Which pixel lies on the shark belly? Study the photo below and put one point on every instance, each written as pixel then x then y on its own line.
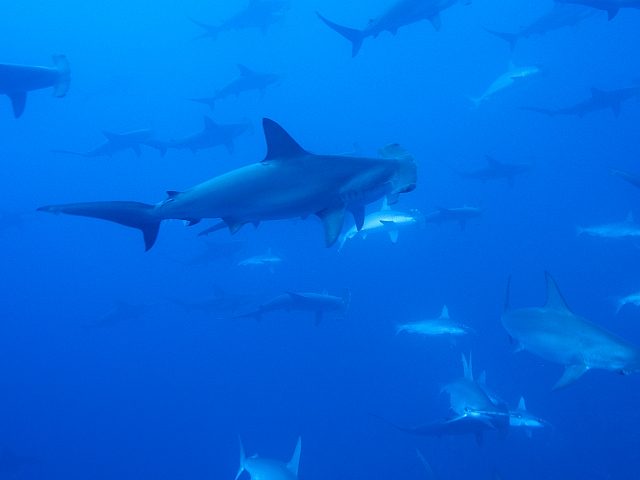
pixel 20 78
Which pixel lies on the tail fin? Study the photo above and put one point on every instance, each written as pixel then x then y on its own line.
pixel 212 31
pixel 618 302
pixel 295 459
pixel 61 86
pixel 512 38
pixel 353 35
pixel 243 457
pixel 130 214
pixel 476 101
pixel 211 101
pixel 157 144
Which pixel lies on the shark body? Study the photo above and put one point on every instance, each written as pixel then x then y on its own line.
pixel 213 135
pixel 118 142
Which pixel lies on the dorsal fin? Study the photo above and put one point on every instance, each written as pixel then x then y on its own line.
pixel 521 405
pixel 244 71
pixel 209 124
pixel 468 372
pixel 492 161
pixel 173 193
pixel 629 218
pixel 445 312
pixel 280 145
pixel 295 459
pixel 555 299
pixel 597 93
pixel 385 204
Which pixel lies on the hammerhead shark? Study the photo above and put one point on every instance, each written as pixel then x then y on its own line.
pixel 599 100
pixel 219 302
pixel 629 177
pixel 459 214
pixel 561 15
pixel 610 6
pixel 245 82
pixel 399 14
pixel 123 311
pixel 17 80
pixel 213 135
pixel 555 333
pixel 290 182
pixel 269 469
pixel 259 13
pixel 443 325
pixel 119 142
pixel 495 170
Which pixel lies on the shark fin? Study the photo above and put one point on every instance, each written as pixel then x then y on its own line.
pixel 521 405
pixel 244 71
pixel 468 372
pixel 394 150
pixel 528 432
pixel 209 124
pixel 555 300
pixel 229 146
pixel 482 379
pixel 332 220
pixel 243 457
pixel 353 35
pixel 512 38
pixel 435 21
pixel 445 312
pixel 136 148
pixel 612 12
pixel 511 66
pixel 233 224
pixel 597 93
pixel 426 466
pixel 496 475
pixel 319 315
pixel 110 136
pixel 393 235
pixel 493 162
pixel 61 86
pixel 358 216
pixel 295 459
pixel 172 194
pixel 280 145
pixel 385 205
pixel 571 374
pixel 18 101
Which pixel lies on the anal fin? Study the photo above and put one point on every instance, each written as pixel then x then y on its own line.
pixel 332 220
pixel 18 101
pixel 571 374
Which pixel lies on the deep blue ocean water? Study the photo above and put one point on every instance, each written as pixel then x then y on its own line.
pixel 166 396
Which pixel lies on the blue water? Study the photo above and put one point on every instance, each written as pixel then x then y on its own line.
pixel 166 396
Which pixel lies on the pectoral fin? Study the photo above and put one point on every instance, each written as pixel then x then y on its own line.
pixel 18 101
pixel 393 235
pixel 319 315
pixel 332 220
pixel 571 374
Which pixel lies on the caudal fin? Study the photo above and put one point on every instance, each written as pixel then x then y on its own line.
pixel 130 214
pixel 61 86
pixel 475 101
pixel 353 35
pixel 512 38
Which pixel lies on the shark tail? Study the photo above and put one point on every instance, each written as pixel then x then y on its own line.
pixel 61 86
pixel 212 31
pixel 475 101
pixel 243 457
pixel 158 145
pixel 512 38
pixel 130 214
pixel 208 101
pixel 353 35
pixel 618 302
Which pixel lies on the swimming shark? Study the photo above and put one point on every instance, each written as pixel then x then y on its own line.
pixel 399 14
pixel 305 302
pixel 443 325
pixel 123 311
pixel 17 80
pixel 119 142
pixel 610 6
pixel 386 220
pixel 213 135
pixel 219 302
pixel 629 177
pixel 258 14
pixel 514 76
pixel 290 182
pixel 245 82
pixel 459 214
pixel 560 15
pixel 599 100
pixel 628 228
pixel 554 333
pixel 268 260
pixel 268 469
pixel 521 418
pixel 495 170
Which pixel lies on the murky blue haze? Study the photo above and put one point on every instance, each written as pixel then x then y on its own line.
pixel 165 396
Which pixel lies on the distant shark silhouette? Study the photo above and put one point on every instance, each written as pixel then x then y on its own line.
pixel 119 142
pixel 610 6
pixel 629 177
pixel 512 77
pixel 17 80
pixel 459 214
pixel 123 311
pixel 495 170
pixel 219 302
pixel 443 325
pixel 213 135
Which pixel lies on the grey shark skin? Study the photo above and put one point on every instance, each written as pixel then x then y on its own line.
pixel 514 76
pixel 626 229
pixel 123 311
pixel 245 82
pixel 213 135
pixel 258 14
pixel 119 142
pixel 268 260
pixel 599 100
pixel 495 170
pixel 17 80
pixel 561 15
pixel 268 469
pixel 554 333
pixel 629 177
pixel 305 302
pixel 443 325
pixel 456 214
pixel 290 182
pixel 399 14
pixel 610 6
pixel 219 302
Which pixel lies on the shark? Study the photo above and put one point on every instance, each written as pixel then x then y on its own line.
pixel 306 302
pixel 521 418
pixel 213 135
pixel 443 325
pixel 561 15
pixel 269 469
pixel 495 170
pixel 626 229
pixel 219 302
pixel 599 100
pixel 459 214
pixel 386 220
pixel 629 177
pixel 123 311
pixel 257 14
pixel 267 260
pixel 17 80
pixel 288 183
pixel 610 6
pixel 119 142
pixel 398 14
pixel 512 77
pixel 633 299
pixel 245 82
pixel 555 333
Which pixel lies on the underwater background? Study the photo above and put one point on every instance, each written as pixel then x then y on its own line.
pixel 166 395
